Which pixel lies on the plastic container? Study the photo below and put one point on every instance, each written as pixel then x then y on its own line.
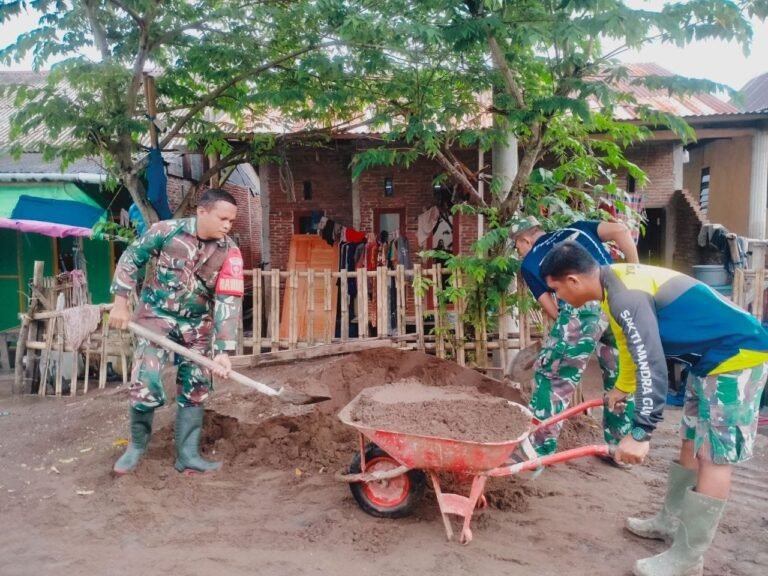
pixel 712 274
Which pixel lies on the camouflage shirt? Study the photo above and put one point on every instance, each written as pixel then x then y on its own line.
pixel 185 277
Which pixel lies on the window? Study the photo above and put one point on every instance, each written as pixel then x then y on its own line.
pixel 305 222
pixel 704 190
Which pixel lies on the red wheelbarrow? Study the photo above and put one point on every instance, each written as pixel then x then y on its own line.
pixel 388 476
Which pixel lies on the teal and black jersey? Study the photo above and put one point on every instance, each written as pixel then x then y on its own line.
pixel 656 314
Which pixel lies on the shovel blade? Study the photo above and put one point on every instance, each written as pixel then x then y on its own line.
pixel 299 398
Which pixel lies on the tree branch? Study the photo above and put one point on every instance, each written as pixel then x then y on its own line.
pixel 171 34
pixel 509 79
pixel 130 11
pixel 99 36
pixel 232 159
pixel 212 96
pixel 460 177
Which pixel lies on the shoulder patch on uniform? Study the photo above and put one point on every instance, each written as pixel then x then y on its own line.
pixel 230 281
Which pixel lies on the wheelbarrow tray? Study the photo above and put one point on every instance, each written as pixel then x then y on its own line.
pixel 417 451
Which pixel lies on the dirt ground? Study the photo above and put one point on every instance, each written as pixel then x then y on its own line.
pixel 275 508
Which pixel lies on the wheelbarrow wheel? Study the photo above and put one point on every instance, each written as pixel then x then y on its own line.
pixel 393 498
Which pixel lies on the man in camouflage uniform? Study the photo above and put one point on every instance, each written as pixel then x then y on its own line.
pixel 575 333
pixel 193 298
pixel 658 314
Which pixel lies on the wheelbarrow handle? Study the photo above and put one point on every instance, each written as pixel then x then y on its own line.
pixel 565 414
pixel 565 455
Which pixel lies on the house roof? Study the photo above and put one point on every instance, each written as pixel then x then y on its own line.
pixel 754 94
pixel 8 107
pixel 696 106
pixel 693 105
pixel 33 163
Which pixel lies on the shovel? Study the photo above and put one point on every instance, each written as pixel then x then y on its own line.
pixel 283 394
pixel 521 367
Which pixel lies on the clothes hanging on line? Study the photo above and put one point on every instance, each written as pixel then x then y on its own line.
pixel 426 225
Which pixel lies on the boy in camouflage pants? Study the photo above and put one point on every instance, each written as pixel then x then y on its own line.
pixel 193 298
pixel 576 333
pixel 657 314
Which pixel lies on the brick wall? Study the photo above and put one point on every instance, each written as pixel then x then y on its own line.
pixel 688 221
pixel 656 159
pixel 328 170
pixel 248 224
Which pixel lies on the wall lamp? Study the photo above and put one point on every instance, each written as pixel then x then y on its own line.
pixel 389 186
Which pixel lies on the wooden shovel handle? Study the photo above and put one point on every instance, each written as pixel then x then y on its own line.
pixel 197 358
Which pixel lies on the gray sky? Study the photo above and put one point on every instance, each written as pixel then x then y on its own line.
pixel 717 61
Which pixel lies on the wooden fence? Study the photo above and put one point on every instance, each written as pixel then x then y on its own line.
pixel 294 314
pixel 303 308
pixel 44 364
pixel 749 284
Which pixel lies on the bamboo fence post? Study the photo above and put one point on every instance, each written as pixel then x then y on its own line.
pixel 310 307
pixel 437 279
pixel 522 316
pixel 257 316
pixel 50 332
pixel 419 306
pixel 87 365
pixel 330 323
pixel 275 312
pixel 103 354
pixel 60 356
pixel 74 379
pixel 381 328
pixel 24 376
pixel 758 257
pixel 482 344
pixel 738 288
pixel 21 343
pixel 459 308
pixel 502 322
pixel 401 300
pixel 344 296
pixel 383 282
pixel 362 302
pixel 293 324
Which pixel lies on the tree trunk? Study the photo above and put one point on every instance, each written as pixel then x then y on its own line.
pixel 135 187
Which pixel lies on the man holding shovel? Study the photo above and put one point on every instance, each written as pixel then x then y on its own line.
pixel 657 314
pixel 576 332
pixel 193 298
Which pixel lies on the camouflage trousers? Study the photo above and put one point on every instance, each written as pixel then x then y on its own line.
pixel 567 348
pixel 721 410
pixel 192 382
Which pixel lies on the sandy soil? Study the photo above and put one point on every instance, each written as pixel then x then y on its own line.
pixel 275 508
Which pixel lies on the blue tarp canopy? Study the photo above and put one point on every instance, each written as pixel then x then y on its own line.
pixel 67 212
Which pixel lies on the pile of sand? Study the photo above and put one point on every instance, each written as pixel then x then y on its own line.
pixel 246 429
pixel 410 407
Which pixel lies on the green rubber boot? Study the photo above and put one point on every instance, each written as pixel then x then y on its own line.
pixel 698 523
pixel 141 430
pixel 663 525
pixel 189 425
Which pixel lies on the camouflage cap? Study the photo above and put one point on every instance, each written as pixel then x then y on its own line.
pixel 521 224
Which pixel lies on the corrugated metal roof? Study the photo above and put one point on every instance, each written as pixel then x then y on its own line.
pixel 702 104
pixel 8 108
pixel 755 94
pixel 692 106
pixel 33 163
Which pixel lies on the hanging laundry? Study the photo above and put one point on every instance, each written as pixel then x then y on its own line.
pixel 426 224
pixel 403 253
pixel 157 181
pixel 352 235
pixel 326 227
